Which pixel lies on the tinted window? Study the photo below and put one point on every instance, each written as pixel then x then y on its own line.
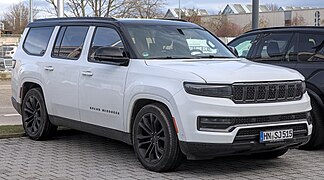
pixel 69 42
pixel 243 45
pixel 172 42
pixel 272 46
pixel 37 40
pixel 310 47
pixel 104 37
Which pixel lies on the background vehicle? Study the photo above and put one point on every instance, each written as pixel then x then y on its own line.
pixel 299 48
pixel 154 84
pixel 7 51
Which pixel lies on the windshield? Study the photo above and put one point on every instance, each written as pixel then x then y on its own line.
pixel 174 42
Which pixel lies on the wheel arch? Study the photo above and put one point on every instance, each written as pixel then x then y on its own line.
pixel 313 95
pixel 26 85
pixel 139 102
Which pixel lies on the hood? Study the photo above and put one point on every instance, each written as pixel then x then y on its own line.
pixel 229 71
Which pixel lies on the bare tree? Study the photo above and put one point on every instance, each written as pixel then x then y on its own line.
pixel 298 20
pixel 77 7
pixel 192 15
pixel 16 18
pixel 149 8
pixel 222 27
pixel 263 23
pixel 112 8
pixel 272 7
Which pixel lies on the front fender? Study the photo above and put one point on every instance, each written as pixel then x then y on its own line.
pixel 163 96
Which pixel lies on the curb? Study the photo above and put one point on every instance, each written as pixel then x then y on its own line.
pixel 5 75
pixel 14 135
pixel 60 132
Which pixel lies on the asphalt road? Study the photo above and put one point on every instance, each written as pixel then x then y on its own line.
pixel 8 115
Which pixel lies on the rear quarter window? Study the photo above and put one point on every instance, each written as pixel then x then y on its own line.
pixel 37 40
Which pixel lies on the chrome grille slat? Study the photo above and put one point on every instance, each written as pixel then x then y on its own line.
pixel 267 92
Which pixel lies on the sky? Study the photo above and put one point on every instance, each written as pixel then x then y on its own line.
pixel 213 6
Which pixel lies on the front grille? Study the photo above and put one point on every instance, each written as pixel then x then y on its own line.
pixel 253 134
pixel 267 92
pixel 216 123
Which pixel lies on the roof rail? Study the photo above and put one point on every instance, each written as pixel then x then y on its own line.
pixel 76 18
pixel 170 19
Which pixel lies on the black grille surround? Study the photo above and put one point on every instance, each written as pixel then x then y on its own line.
pixel 267 92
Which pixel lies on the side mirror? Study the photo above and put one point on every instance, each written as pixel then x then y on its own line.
pixel 111 55
pixel 233 49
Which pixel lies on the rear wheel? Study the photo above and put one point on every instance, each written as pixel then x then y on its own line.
pixel 317 137
pixel 34 116
pixel 270 154
pixel 155 139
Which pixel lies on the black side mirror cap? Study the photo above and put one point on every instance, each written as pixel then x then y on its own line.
pixel 233 49
pixel 111 55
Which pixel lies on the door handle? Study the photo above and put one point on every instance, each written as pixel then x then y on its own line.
pixel 87 73
pixel 49 68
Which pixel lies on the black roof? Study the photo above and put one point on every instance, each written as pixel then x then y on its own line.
pixel 290 28
pixel 102 20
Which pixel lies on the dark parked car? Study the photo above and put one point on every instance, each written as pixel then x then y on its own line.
pixel 299 48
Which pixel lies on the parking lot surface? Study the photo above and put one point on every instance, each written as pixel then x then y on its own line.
pixel 85 156
pixel 8 115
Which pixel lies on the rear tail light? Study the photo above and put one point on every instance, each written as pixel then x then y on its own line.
pixel 13 63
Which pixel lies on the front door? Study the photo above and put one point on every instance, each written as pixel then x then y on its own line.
pixel 101 86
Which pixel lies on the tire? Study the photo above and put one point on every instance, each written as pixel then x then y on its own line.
pixel 155 140
pixel 270 154
pixel 34 116
pixel 317 137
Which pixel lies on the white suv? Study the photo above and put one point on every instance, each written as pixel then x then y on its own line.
pixel 141 82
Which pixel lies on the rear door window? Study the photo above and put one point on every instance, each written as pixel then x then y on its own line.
pixel 272 47
pixel 37 40
pixel 69 42
pixel 311 47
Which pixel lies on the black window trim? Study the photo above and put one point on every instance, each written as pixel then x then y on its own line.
pixel 258 47
pixel 92 39
pixel 298 37
pixel 33 54
pixel 56 38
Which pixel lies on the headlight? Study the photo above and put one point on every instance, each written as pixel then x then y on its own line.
pixel 211 90
pixel 303 87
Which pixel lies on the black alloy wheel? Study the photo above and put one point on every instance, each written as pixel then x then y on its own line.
pixel 150 137
pixel 34 116
pixel 155 139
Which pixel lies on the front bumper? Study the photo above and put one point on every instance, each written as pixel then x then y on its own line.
pixel 16 105
pixel 195 150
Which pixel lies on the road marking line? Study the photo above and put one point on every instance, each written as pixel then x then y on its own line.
pixel 9 115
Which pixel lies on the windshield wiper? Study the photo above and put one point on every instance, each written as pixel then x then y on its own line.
pixel 213 56
pixel 173 57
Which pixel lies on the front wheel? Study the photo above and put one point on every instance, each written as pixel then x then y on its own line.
pixel 155 139
pixel 34 116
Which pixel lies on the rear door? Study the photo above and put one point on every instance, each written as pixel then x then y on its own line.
pixel 310 56
pixel 61 71
pixel 275 48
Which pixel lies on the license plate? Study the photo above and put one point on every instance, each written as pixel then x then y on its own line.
pixel 278 135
